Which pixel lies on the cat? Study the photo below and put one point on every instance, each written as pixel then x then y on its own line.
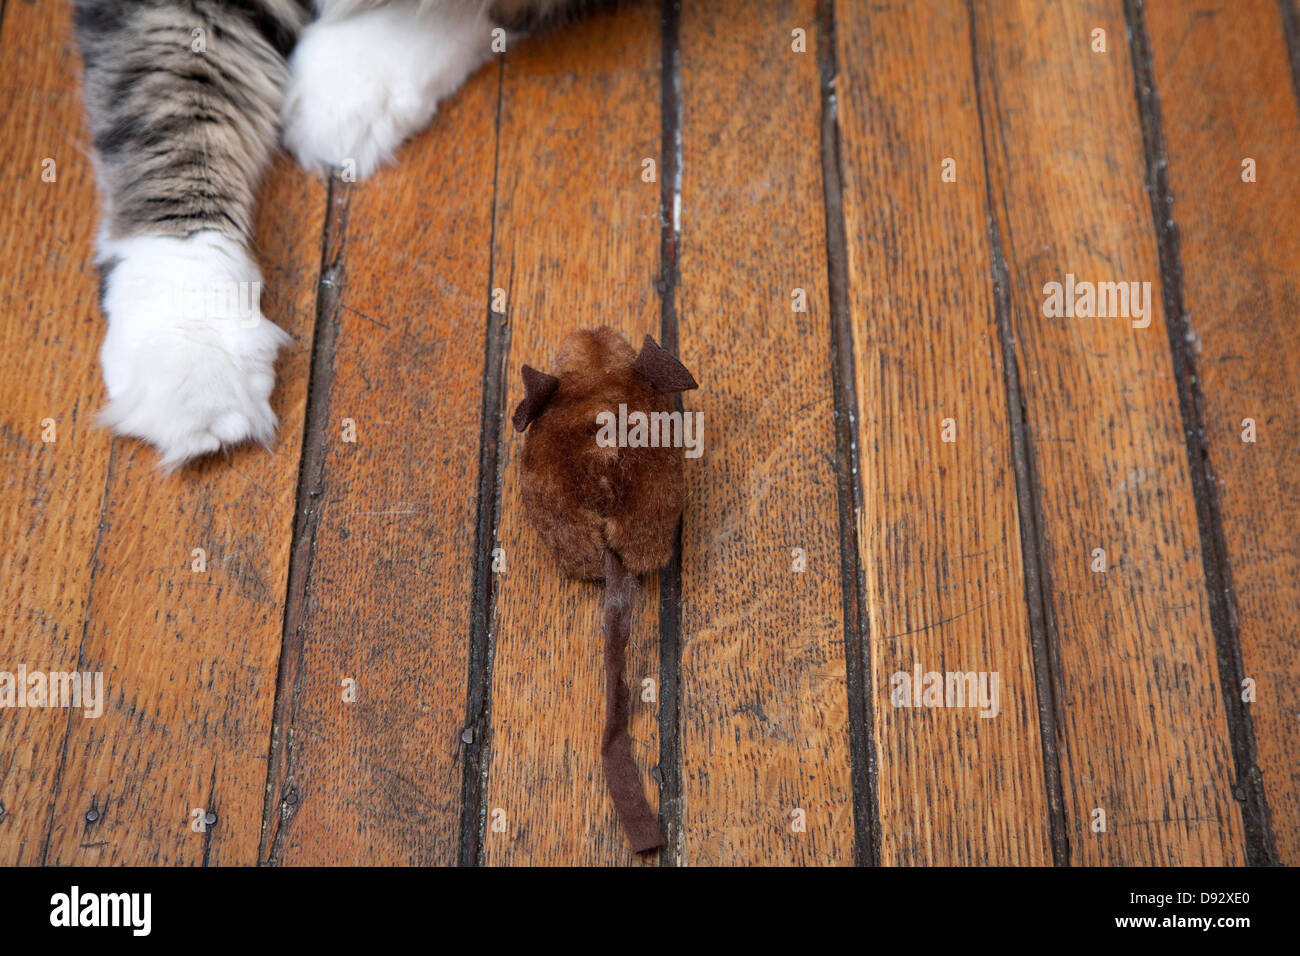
pixel 186 102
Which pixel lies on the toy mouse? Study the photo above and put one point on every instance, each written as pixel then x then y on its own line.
pixel 607 509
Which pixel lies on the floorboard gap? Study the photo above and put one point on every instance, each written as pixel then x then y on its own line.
pixel 81 647
pixel 1261 848
pixel 848 463
pixel 280 803
pixel 1037 586
pixel 476 735
pixel 670 578
pixel 1291 33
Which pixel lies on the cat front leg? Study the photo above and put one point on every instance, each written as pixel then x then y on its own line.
pixel 362 82
pixel 183 99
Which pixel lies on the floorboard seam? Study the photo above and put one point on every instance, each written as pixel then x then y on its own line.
pixel 209 808
pixel 81 647
pixel 848 462
pixel 1037 585
pixel 476 736
pixel 1248 789
pixel 670 578
pixel 280 800
pixel 1291 34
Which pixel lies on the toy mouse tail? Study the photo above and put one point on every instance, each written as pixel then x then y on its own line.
pixel 616 746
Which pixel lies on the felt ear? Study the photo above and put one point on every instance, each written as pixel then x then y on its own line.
pixel 661 370
pixel 538 389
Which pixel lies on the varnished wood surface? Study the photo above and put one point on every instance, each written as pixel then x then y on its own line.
pixel 369 772
pixel 1140 723
pixel 765 736
pixel 795 146
pixel 574 217
pixel 188 657
pixel 53 491
pixel 1240 259
pixel 945 585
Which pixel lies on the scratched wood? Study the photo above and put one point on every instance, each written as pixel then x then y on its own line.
pixel 188 659
pixel 940 536
pixel 764 708
pixel 52 491
pixel 96 549
pixel 1141 726
pixel 577 246
pixel 1241 257
pixel 377 779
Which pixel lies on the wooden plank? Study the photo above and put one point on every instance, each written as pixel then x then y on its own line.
pixel 764 708
pixel 376 780
pixel 1140 719
pixel 577 246
pixel 132 609
pixel 940 541
pixel 1241 257
pixel 189 658
pixel 53 491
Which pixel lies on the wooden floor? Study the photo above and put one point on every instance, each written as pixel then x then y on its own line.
pixel 916 173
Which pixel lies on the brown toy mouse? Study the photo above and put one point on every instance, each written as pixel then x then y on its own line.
pixel 606 510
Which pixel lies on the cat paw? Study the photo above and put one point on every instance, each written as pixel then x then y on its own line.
pixel 188 358
pixel 361 85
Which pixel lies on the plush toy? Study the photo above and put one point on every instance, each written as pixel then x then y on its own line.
pixel 606 508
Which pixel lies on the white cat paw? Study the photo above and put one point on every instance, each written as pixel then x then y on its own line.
pixel 361 85
pixel 189 358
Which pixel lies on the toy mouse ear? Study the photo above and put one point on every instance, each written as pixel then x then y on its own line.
pixel 538 389
pixel 661 370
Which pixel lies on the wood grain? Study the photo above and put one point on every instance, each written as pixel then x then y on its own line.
pixel 940 534
pixel 764 710
pixel 188 659
pixel 376 780
pixel 1241 259
pixel 1139 711
pixel 53 492
pixel 530 181
pixel 577 245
